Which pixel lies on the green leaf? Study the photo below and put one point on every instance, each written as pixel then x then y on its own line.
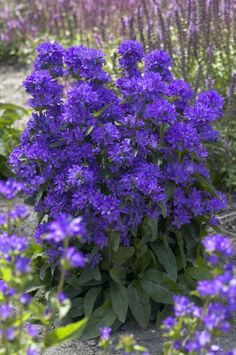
pixel 153 224
pixel 195 228
pixel 157 292
pixel 38 311
pixel 206 184
pixel 117 275
pixel 163 209
pixel 77 307
pixel 166 258
pixel 154 275
pixel 122 255
pixel 2 148
pixel 89 301
pixel 61 334
pixel 89 274
pixel 43 270
pixel 142 262
pixel 139 303
pixel 119 300
pixel 181 248
pixel 6 273
pixel 199 273
pixel 162 132
pixel 115 241
pixel 169 189
pixel 89 130
pixel 99 113
pixel 13 107
pixel 64 308
pixel 103 316
pixel 39 194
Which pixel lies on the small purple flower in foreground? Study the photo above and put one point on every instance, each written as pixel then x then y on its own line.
pixel 32 351
pixel 105 333
pixel 75 257
pixel 219 244
pixel 201 326
pixel 62 297
pixel 25 299
pixel 10 188
pixel 64 227
pixel 22 264
pixel 6 311
pixel 33 330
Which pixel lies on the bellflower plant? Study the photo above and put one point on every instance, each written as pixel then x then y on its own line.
pixel 21 315
pixel 195 327
pixel 128 155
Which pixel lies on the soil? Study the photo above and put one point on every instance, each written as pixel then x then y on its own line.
pixel 11 91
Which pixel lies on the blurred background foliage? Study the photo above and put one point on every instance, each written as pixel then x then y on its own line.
pixel 200 36
pixel 10 114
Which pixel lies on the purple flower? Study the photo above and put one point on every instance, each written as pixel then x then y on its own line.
pixel 32 350
pixel 105 333
pixel 131 53
pixel 182 305
pixel 32 330
pixel 50 56
pixel 22 264
pixel 159 62
pixel 12 244
pixel 25 299
pixel 219 244
pixel 10 188
pixel 169 322
pixel 62 297
pixel 19 212
pixel 75 257
pixel 43 89
pixel 64 227
pixel 6 311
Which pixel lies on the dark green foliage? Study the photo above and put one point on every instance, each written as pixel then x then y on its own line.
pixel 9 134
pixel 137 281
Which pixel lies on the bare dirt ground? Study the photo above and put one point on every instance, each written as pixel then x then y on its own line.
pixel 11 78
pixel 11 91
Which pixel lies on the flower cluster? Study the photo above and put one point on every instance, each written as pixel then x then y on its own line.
pixel 18 309
pixel 57 236
pixel 109 151
pixel 195 329
pixel 15 268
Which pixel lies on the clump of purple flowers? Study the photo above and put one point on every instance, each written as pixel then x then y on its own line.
pixel 15 269
pixel 18 309
pixel 128 155
pixel 108 150
pixel 195 329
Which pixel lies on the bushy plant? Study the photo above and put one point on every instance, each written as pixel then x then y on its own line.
pixel 22 316
pixel 128 155
pixel 9 134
